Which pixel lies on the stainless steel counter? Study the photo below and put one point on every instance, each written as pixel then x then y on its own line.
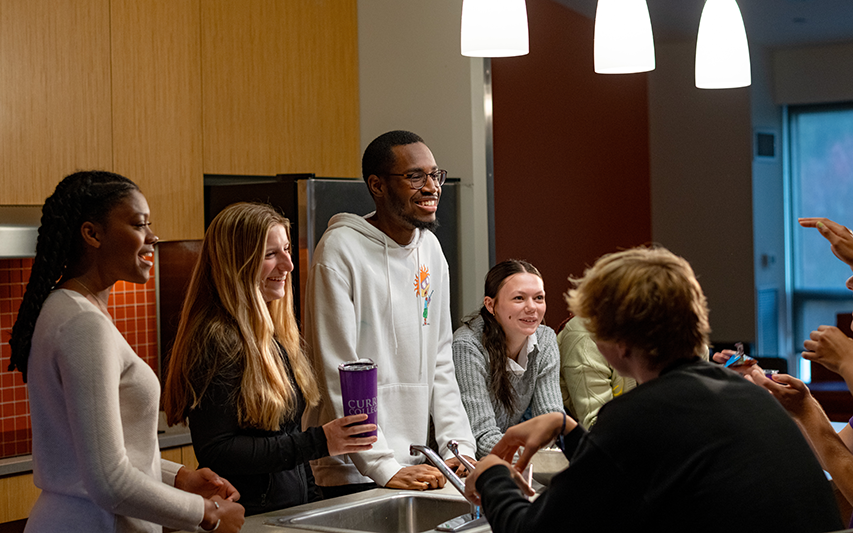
pixel 258 523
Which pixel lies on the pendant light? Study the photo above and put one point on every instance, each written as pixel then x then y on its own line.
pixel 623 37
pixel 494 28
pixel 722 51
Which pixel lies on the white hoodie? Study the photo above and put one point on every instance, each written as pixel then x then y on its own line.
pixel 369 297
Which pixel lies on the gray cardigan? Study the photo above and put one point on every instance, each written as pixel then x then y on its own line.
pixel 538 388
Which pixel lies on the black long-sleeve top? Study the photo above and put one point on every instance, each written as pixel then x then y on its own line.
pixel 269 468
pixel 697 449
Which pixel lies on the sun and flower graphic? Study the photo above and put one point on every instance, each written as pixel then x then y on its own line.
pixel 422 289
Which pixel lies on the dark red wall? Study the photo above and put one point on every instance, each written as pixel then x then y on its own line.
pixel 571 153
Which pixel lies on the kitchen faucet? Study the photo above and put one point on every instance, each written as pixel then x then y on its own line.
pixel 466 521
pixel 436 461
pixel 453 446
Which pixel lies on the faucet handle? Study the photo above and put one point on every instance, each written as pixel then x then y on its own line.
pixel 453 446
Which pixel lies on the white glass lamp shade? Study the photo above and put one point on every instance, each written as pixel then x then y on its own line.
pixel 722 51
pixel 494 28
pixel 623 37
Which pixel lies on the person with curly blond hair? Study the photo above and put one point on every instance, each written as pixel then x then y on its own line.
pixel 694 447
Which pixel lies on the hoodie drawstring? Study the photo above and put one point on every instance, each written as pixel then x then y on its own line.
pixel 390 296
pixel 420 329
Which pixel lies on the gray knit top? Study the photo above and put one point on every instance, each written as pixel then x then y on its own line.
pixel 538 387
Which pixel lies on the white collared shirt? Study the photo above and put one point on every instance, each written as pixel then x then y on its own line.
pixel 519 367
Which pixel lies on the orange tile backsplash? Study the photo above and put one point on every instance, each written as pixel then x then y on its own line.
pixel 134 311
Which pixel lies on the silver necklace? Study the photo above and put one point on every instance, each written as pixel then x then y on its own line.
pixel 101 305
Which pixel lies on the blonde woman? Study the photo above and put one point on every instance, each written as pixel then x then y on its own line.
pixel 238 371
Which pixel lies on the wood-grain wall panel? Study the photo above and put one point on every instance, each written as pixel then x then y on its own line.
pixel 280 87
pixel 156 95
pixel 54 94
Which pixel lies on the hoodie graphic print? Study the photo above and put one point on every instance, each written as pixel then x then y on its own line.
pixel 422 290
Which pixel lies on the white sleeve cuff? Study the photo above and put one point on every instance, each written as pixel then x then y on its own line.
pixel 169 471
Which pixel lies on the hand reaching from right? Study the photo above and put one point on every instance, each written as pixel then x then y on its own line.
pixel 792 393
pixel 840 238
pixel 487 462
pixel 341 439
pixel 830 347
pixel 532 435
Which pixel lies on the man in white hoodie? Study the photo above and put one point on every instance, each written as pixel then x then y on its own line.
pixel 379 288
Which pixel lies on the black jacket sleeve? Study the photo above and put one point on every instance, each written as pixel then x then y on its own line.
pixel 577 499
pixel 569 442
pixel 222 445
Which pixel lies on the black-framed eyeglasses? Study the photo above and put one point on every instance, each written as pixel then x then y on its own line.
pixel 418 178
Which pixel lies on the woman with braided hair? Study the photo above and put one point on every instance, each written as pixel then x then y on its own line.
pixel 506 360
pixel 94 402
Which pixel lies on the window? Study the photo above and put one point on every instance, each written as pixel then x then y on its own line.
pixel 821 184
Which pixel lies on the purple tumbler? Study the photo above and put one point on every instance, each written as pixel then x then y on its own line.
pixel 358 390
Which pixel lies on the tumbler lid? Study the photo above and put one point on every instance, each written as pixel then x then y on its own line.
pixel 358 365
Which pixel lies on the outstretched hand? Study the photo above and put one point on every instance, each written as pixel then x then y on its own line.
pixel 839 237
pixel 792 393
pixel 485 463
pixel 830 347
pixel 742 369
pixel 340 435
pixel 533 434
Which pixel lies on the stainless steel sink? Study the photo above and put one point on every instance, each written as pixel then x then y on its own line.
pixel 391 513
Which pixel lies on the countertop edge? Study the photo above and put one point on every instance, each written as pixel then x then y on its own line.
pixel 260 523
pixel 172 437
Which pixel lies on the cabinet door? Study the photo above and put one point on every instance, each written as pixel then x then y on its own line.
pixel 156 95
pixel 18 494
pixel 54 95
pixel 280 87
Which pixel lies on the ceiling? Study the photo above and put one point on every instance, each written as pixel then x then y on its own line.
pixel 773 23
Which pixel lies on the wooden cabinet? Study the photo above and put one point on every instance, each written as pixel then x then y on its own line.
pixel 280 84
pixel 184 455
pixel 17 496
pixel 164 91
pixel 54 94
pixel 18 493
pixel 156 109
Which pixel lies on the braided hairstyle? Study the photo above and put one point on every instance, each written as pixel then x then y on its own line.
pixel 494 338
pixel 86 196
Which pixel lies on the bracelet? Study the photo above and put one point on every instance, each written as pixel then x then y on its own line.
pixel 560 443
pixel 215 527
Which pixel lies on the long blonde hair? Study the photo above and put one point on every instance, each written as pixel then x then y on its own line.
pixel 227 326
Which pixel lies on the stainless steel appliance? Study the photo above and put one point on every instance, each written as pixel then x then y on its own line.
pixel 309 202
